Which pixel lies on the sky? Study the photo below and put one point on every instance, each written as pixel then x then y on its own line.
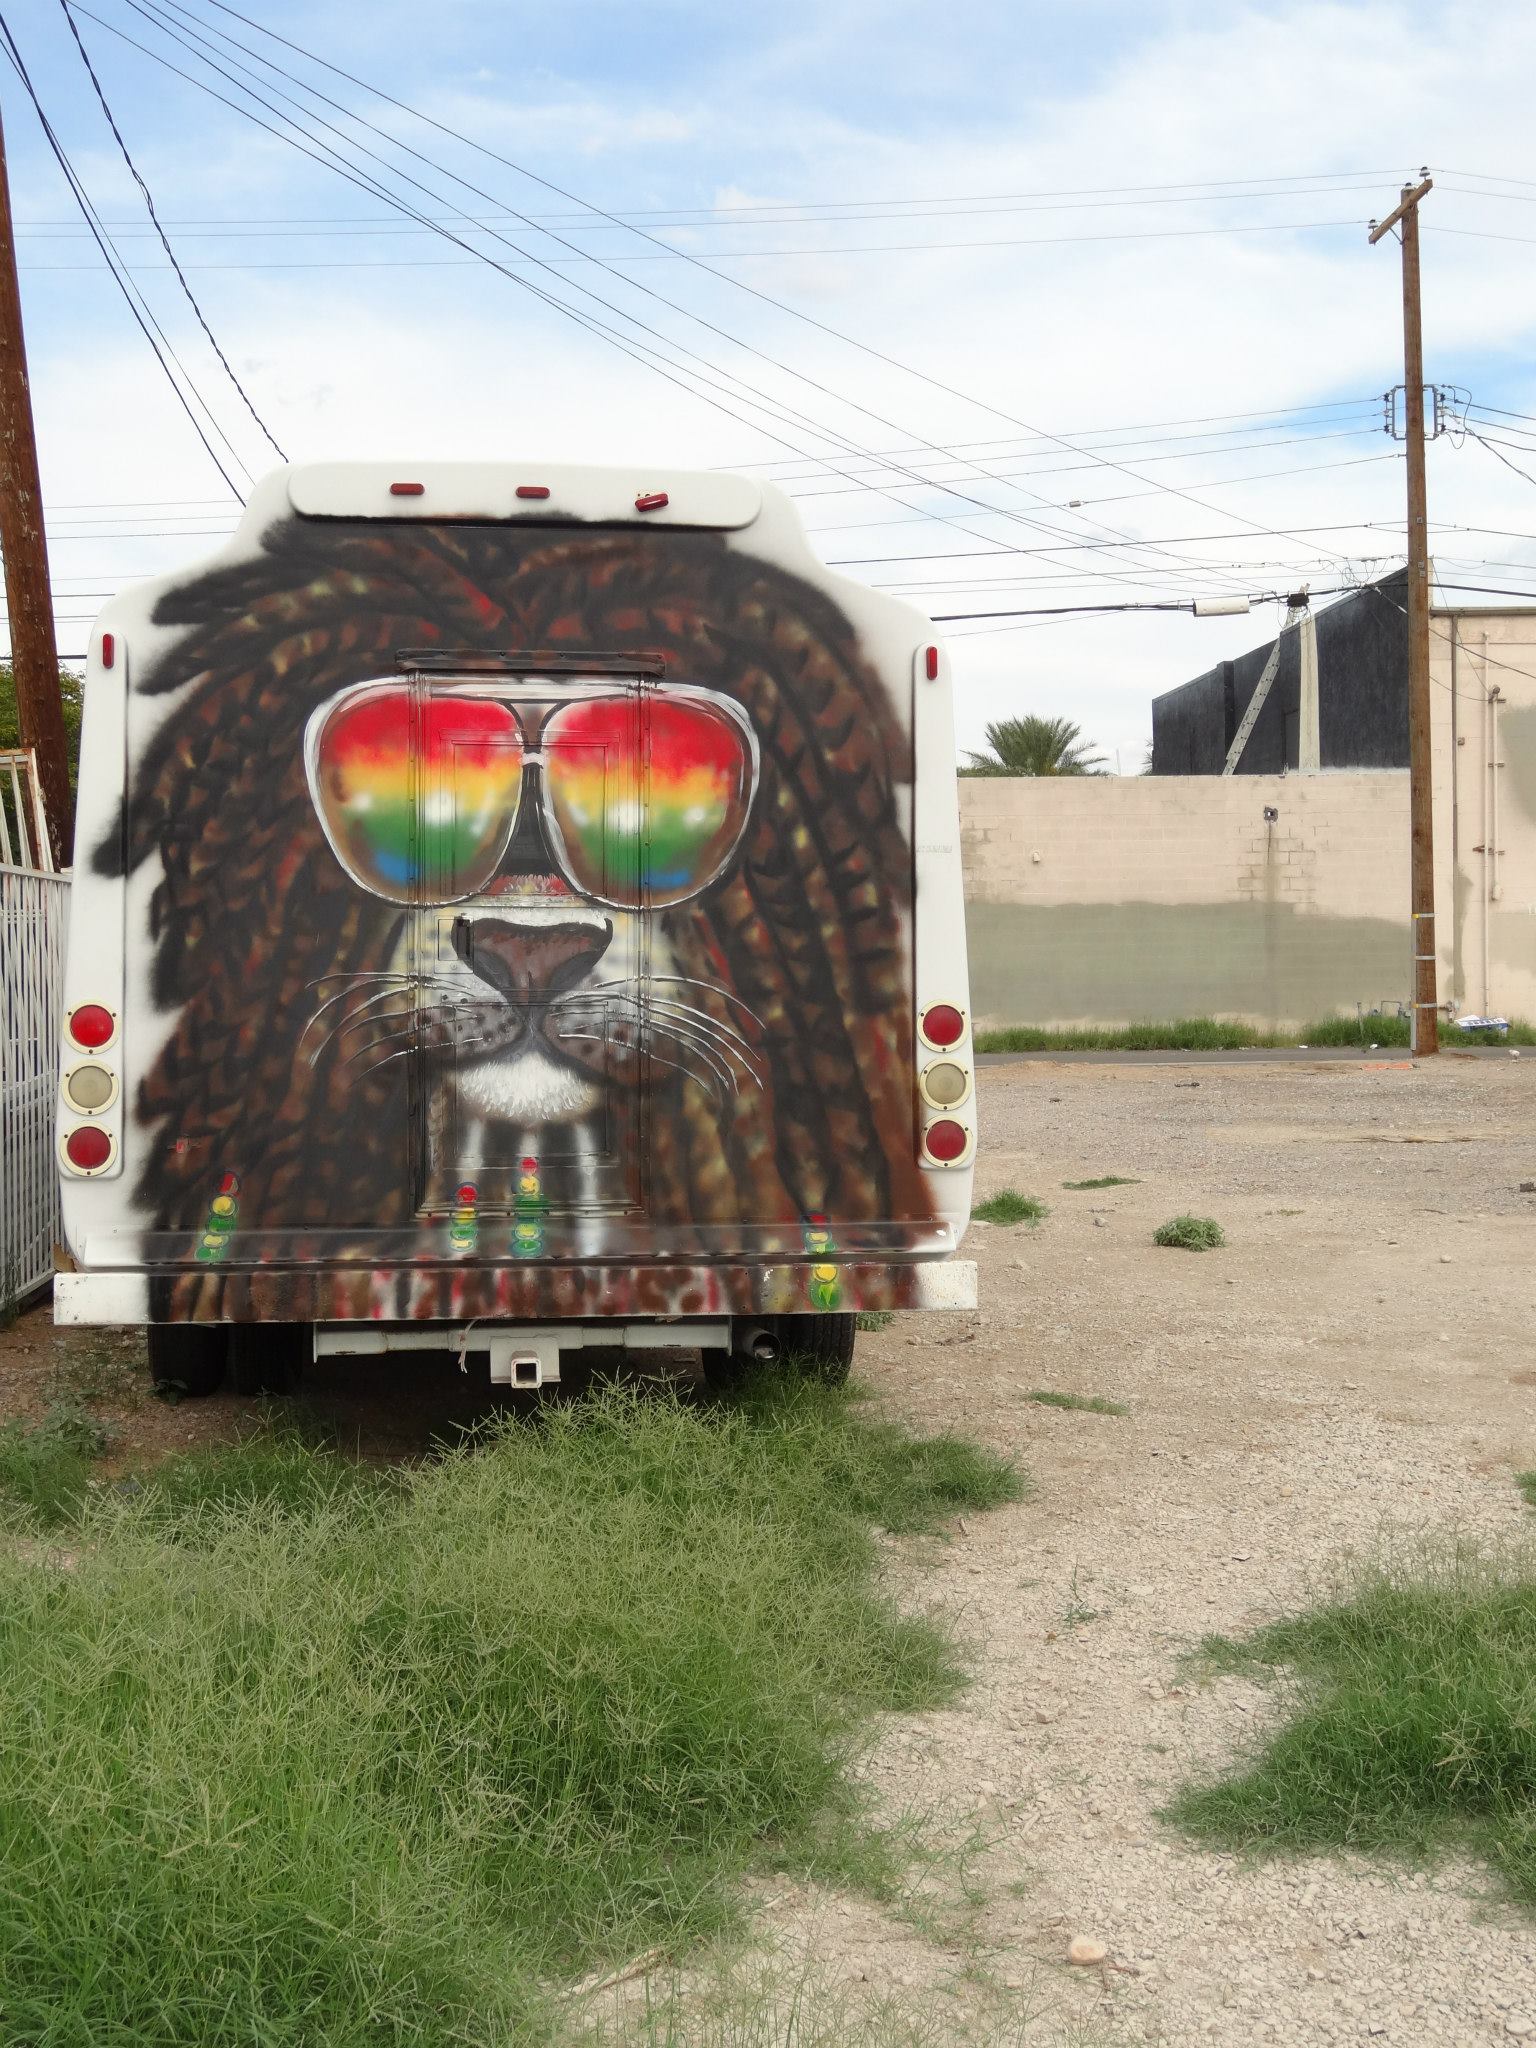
pixel 1081 288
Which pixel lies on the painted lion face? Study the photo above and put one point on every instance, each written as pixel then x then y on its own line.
pixel 630 913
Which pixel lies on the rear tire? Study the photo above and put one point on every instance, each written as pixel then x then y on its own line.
pixel 267 1358
pixel 819 1347
pixel 188 1359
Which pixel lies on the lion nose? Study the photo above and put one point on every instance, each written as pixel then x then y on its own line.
pixel 529 963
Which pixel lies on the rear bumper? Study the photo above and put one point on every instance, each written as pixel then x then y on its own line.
pixel 521 1293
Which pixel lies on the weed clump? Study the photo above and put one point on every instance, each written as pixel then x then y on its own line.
pixel 1105 1180
pixel 1191 1234
pixel 1414 1728
pixel 1526 1481
pixel 1011 1207
pixel 1089 1404
pixel 371 1759
pixel 45 1467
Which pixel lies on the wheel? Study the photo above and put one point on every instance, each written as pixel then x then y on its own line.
pixel 818 1347
pixel 188 1358
pixel 267 1358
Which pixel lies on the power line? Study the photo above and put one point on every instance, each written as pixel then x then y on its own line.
pixel 733 255
pixel 739 284
pixel 627 343
pixel 160 231
pixel 145 319
pixel 1494 449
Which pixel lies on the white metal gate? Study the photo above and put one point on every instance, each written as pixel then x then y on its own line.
pixel 34 912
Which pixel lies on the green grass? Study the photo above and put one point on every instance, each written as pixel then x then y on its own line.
pixel 876 1318
pixel 1414 1728
pixel 1526 1481
pixel 1090 1404
pixel 1008 1206
pixel 1211 1034
pixel 1191 1234
pixel 1105 1180
pixel 317 1755
pixel 45 1467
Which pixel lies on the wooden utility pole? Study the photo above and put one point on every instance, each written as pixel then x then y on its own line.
pixel 34 651
pixel 1426 1005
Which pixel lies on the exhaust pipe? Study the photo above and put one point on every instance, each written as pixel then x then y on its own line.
pixel 760 1344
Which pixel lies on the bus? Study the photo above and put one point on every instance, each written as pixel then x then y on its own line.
pixel 517 910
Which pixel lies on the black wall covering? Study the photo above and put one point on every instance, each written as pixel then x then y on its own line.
pixel 1362 684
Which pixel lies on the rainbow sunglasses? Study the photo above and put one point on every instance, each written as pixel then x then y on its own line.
pixel 643 794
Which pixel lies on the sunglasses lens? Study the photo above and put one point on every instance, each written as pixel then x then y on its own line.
pixel 419 797
pixel 649 798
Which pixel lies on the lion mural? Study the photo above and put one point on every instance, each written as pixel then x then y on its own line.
pixel 346 1034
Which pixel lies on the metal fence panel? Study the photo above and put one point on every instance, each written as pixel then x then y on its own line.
pixel 34 913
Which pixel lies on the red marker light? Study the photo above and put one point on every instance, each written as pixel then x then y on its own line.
pixel 407 490
pixel 108 649
pixel 943 1025
pixel 650 501
pixel 932 664
pixel 92 1026
pixel 533 490
pixel 88 1148
pixel 946 1140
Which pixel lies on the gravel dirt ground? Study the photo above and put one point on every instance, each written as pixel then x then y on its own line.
pixel 1357 1362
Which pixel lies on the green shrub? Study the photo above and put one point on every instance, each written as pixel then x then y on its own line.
pixel 1011 1207
pixel 1191 1234
pixel 1414 1727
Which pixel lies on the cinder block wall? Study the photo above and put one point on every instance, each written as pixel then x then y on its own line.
pixel 1107 900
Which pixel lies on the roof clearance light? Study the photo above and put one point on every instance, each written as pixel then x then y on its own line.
pixel 92 1026
pixel 533 490
pixel 946 1140
pixel 932 664
pixel 650 501
pixel 89 1148
pixel 407 490
pixel 943 1025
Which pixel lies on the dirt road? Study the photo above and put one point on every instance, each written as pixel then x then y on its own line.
pixel 1360 1358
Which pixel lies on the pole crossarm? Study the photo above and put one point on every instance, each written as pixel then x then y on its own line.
pixel 1411 197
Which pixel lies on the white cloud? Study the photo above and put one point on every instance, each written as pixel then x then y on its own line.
pixel 1074 336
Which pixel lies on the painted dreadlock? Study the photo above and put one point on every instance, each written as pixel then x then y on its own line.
pixel 255 923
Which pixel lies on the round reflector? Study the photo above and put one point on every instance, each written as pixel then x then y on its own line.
pixel 92 1026
pixel 946 1140
pixel 943 1025
pixel 88 1148
pixel 89 1086
pixel 945 1084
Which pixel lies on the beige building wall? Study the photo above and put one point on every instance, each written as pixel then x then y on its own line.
pixel 1483 699
pixel 1108 900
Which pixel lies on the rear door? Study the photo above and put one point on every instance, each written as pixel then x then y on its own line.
pixel 532 1077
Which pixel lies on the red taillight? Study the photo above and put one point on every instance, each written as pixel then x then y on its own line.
pixel 943 1025
pixel 92 1026
pixel 407 490
pixel 946 1140
pixel 108 650
pixel 650 501
pixel 533 490
pixel 932 664
pixel 88 1148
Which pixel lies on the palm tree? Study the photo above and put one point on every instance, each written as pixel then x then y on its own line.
pixel 1035 746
